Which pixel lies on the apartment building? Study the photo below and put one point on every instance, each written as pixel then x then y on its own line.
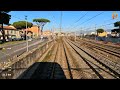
pixel 10 32
pixel 34 32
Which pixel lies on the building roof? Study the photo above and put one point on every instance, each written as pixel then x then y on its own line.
pixel 117 30
pixel 47 31
pixel 8 27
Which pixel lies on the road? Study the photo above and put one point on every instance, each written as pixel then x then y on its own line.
pixel 18 49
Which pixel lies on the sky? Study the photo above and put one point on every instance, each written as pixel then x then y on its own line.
pixel 70 20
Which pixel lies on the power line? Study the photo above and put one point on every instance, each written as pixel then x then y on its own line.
pixel 100 26
pixel 108 20
pixel 54 23
pixel 90 19
pixel 17 17
pixel 53 18
pixel 80 18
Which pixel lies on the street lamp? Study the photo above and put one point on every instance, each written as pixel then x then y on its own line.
pixel 26 33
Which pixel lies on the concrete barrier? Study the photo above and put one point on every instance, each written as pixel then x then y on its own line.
pixel 19 64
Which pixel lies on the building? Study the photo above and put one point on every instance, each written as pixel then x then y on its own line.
pixel 47 33
pixel 34 30
pixel 93 33
pixel 104 34
pixel 10 32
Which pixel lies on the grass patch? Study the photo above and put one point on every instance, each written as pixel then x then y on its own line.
pixel 11 43
pixel 47 57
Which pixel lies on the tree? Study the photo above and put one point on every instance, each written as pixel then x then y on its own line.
pixel 117 24
pixel 22 25
pixel 100 31
pixel 41 22
pixel 4 19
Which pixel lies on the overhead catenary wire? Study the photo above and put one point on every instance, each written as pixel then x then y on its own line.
pixel 86 29
pixel 107 21
pixel 54 21
pixel 90 19
pixel 17 17
pixel 79 19
pixel 100 25
pixel 104 21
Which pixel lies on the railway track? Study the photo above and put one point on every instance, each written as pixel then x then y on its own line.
pixel 68 69
pixel 80 70
pixel 105 48
pixel 66 60
pixel 62 60
pixel 104 70
pixel 107 57
pixel 108 54
pixel 53 68
pixel 54 65
pixel 117 48
pixel 63 53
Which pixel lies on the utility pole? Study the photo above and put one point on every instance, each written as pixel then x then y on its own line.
pixel 61 22
pixel 26 33
pixel 53 29
pixel 81 32
pixel 95 32
pixel 53 34
pixel 75 36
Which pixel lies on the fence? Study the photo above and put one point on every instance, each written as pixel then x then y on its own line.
pixel 17 65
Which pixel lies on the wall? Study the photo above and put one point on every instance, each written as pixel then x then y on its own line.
pixel 17 65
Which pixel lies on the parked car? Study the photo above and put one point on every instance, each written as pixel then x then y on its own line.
pixel 14 39
pixel 20 39
pixel 10 39
pixel 45 37
pixel 30 39
pixel 7 40
pixel 1 41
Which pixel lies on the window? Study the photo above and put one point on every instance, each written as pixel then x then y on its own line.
pixel 11 31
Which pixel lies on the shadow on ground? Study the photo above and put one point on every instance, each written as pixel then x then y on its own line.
pixel 43 70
